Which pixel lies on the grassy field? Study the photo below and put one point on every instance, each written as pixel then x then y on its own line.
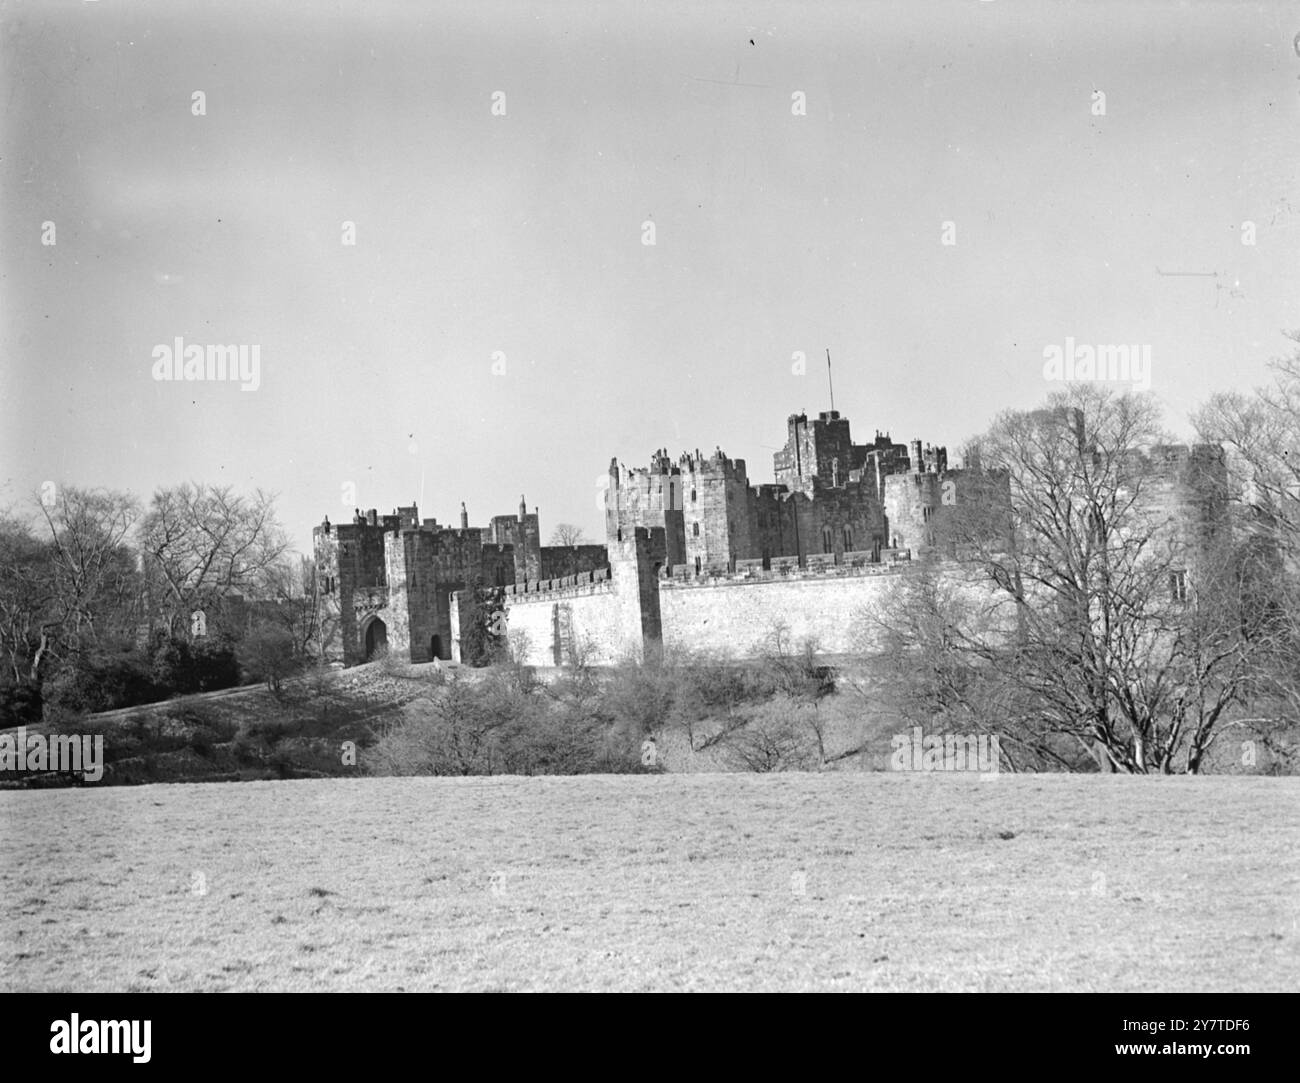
pixel 838 881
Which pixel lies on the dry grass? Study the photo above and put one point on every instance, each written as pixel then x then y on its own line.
pixel 910 882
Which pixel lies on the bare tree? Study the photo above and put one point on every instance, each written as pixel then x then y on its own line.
pixel 294 603
pixel 26 599
pixel 929 642
pixel 1262 432
pixel 201 542
pixel 69 582
pixel 798 674
pixel 1117 620
pixel 568 535
pixel 775 738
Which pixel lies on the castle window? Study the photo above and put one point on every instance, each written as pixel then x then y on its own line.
pixel 848 539
pixel 692 496
pixel 697 565
pixel 828 545
pixel 696 530
pixel 926 513
pixel 1178 586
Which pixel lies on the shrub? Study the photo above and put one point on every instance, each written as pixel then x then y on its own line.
pixel 206 665
pixel 267 653
pixel 103 680
pixel 202 742
pixel 20 702
pixel 774 739
pixel 246 748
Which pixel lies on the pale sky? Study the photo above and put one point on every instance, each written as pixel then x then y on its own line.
pixel 523 234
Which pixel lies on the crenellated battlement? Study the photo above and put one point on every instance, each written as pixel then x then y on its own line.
pixel 787 569
pixel 549 591
pixel 387 581
pixel 717 464
pixel 696 557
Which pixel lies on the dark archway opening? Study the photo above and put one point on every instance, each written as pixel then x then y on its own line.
pixel 376 639
pixel 435 647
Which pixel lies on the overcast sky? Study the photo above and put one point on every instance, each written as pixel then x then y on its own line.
pixel 481 237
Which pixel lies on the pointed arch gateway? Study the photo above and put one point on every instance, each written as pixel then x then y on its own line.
pixel 375 638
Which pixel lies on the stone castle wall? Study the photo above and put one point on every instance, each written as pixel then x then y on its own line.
pixel 611 616
pixel 696 557
pixel 736 615
pixel 580 608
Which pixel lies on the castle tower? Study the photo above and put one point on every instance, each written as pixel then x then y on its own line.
pixel 718 510
pixel 647 498
pixel 811 449
pixel 352 579
pixel 635 563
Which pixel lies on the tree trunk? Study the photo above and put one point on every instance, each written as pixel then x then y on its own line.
pixel 1102 755
pixel 39 657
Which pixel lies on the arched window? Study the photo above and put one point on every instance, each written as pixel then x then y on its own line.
pixel 827 544
pixel 692 496
pixel 696 530
pixel 848 539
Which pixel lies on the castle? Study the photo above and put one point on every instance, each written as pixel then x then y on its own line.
pixel 695 556
pixel 387 580
pixel 833 501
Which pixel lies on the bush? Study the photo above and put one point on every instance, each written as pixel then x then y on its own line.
pixel 773 739
pixel 202 742
pixel 246 748
pixel 104 680
pixel 20 702
pixel 282 761
pixel 642 697
pixel 267 653
pixel 505 723
pixel 271 731
pixel 181 667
